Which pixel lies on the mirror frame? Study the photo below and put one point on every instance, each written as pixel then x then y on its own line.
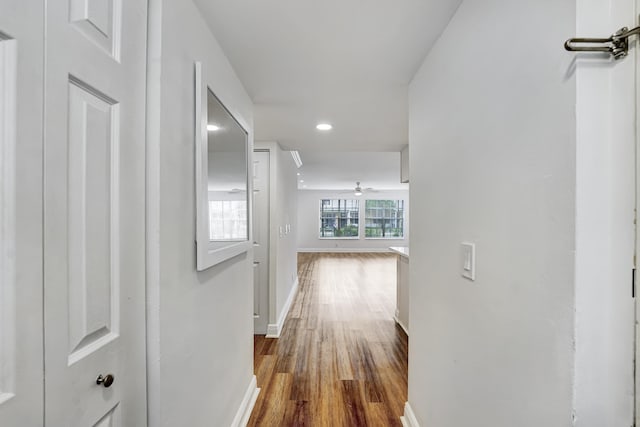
pixel 207 253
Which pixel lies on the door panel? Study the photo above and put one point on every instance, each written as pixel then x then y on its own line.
pixel 92 172
pixel 112 418
pixel 261 241
pixel 21 106
pixel 99 21
pixel 94 212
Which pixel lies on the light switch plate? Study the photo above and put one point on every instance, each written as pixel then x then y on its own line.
pixel 468 260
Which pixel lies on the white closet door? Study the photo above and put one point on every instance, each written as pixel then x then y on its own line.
pixel 21 98
pixel 94 213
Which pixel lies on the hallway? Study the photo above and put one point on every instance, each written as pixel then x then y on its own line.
pixel 341 359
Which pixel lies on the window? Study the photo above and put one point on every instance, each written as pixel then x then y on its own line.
pixel 227 220
pixel 384 219
pixel 339 218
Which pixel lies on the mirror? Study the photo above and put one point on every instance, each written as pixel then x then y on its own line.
pixel 222 185
pixel 227 174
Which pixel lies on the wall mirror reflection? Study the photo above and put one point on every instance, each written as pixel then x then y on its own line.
pixel 227 174
pixel 222 149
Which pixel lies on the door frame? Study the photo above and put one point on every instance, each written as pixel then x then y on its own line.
pixel 8 98
pixel 274 324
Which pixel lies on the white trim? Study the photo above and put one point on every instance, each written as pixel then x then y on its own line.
pixel 358 250
pixel 153 125
pixel 272 289
pixel 340 238
pixel 208 252
pixel 274 330
pixel 246 406
pixel 384 238
pixel 404 328
pixel 636 362
pixel 409 418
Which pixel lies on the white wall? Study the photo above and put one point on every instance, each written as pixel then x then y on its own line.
pixel 492 141
pixel 286 214
pixel 309 222
pixel 200 324
pixel 283 262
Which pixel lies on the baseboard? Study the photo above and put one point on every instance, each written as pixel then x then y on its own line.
pixel 244 412
pixel 409 418
pixel 404 328
pixel 345 250
pixel 274 329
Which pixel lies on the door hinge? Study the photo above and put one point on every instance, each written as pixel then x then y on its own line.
pixel 617 44
pixel 633 283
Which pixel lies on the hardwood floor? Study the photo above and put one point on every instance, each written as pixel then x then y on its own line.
pixel 341 360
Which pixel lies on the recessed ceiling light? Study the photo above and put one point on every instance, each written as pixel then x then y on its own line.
pixel 213 128
pixel 302 180
pixel 324 126
pixel 298 173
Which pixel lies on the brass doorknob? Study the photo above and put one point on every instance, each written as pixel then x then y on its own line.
pixel 106 381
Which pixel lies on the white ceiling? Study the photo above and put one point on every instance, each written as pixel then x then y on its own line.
pixel 339 170
pixel 346 62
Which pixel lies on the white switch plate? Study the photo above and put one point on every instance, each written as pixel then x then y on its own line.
pixel 468 260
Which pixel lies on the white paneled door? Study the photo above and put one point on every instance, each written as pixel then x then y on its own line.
pixel 94 213
pixel 21 94
pixel 261 217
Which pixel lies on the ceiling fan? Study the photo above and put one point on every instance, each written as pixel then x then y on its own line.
pixel 358 191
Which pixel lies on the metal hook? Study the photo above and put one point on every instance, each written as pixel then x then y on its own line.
pixel 570 44
pixel 617 45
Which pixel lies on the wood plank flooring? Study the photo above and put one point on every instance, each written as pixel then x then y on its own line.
pixel 341 360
